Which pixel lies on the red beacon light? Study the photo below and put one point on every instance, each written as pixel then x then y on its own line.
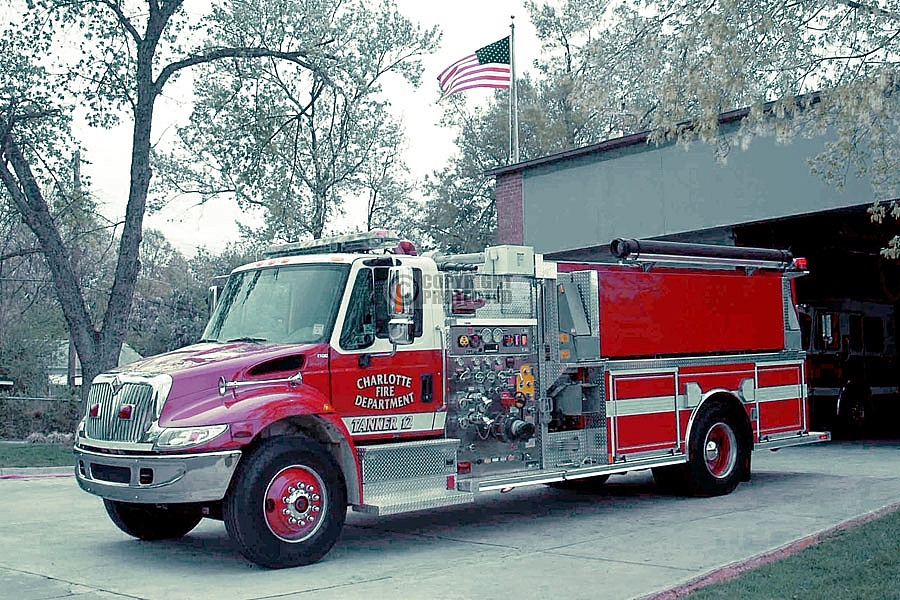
pixel 800 264
pixel 406 247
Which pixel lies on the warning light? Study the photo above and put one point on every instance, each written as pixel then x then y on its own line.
pixel 800 264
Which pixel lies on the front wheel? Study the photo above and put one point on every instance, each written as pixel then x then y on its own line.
pixel 718 453
pixel 287 503
pixel 153 521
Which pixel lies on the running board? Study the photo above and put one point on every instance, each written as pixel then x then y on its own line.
pixel 798 439
pixel 511 481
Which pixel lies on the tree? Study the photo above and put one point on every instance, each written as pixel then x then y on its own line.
pixel 129 52
pixel 30 323
pixel 170 303
pixel 291 141
pixel 385 180
pixel 801 67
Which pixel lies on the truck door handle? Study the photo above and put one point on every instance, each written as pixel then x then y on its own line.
pixel 427 388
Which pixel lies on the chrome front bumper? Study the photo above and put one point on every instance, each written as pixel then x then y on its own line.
pixel 156 479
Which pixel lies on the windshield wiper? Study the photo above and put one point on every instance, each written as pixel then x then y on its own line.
pixel 252 340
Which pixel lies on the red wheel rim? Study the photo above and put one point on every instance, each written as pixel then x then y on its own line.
pixel 295 503
pixel 720 449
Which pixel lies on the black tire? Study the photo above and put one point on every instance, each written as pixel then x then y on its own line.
pixel 287 503
pixel 153 521
pixel 585 484
pixel 852 412
pixel 718 453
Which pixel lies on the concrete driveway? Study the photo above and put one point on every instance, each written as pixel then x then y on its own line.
pixel 628 541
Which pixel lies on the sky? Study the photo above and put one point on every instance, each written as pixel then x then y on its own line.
pixel 466 25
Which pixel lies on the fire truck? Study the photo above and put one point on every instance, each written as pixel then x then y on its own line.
pixel 353 372
pixel 851 364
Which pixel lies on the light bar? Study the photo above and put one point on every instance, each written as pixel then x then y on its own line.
pixel 377 239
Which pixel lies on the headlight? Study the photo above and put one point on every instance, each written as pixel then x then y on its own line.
pixel 183 437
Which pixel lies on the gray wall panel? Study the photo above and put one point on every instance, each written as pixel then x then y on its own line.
pixel 646 191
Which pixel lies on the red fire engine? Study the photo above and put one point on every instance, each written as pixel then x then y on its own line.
pixel 352 372
pixel 851 364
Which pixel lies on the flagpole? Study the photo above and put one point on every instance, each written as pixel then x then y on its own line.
pixel 513 96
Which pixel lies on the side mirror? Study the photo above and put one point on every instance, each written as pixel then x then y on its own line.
pixel 401 297
pixel 827 336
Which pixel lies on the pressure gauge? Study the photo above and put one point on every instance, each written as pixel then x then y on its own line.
pixel 486 334
pixel 497 335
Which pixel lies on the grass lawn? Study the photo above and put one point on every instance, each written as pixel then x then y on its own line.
pixel 861 563
pixel 36 455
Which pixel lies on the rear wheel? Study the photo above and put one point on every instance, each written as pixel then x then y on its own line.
pixel 718 453
pixel 287 503
pixel 851 411
pixel 153 521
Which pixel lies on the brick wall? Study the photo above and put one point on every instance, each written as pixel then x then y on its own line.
pixel 510 209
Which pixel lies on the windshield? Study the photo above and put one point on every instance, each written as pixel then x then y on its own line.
pixel 293 304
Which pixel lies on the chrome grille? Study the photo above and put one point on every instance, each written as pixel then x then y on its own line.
pixel 108 425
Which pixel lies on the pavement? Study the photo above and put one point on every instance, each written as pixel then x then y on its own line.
pixel 629 541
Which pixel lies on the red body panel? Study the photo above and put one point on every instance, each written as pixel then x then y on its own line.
pixel 781 406
pixel 644 412
pixel 725 377
pixel 640 433
pixel 392 396
pixel 682 312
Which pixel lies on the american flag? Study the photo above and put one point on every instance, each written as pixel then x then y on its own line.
pixel 487 67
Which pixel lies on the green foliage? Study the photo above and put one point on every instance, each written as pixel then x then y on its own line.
pixel 292 141
pixel 170 305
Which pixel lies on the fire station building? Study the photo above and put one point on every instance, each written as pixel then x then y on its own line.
pixel 762 195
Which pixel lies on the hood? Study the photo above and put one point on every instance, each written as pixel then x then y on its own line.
pixel 213 359
pixel 195 370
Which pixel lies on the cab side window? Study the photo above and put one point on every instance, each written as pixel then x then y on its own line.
pixel 382 302
pixel 359 324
